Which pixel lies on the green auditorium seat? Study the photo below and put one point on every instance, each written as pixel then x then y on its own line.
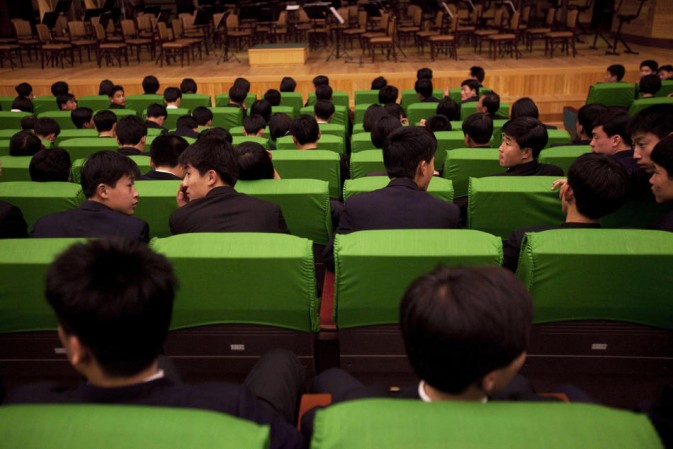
pixel 611 94
pixel 191 101
pixel 644 103
pixel 29 347
pixel 62 118
pixel 15 168
pixel 399 423
pixel 73 134
pixel 222 100
pixel 105 426
pixel 340 114
pixel 365 162
pixel 602 307
pixel 366 97
pixel 640 210
pixel 227 117
pixel 289 110
pixel 333 129
pixel 310 164
pixel 11 120
pixel 6 134
pixel 358 128
pixel 410 97
pixel 327 142
pixel 304 202
pixel 36 199
pixel 241 294
pixel 293 99
pixel 173 116
pixel 439 187
pixel 359 113
pixel 496 138
pixel 4 147
pixel 96 102
pixel 467 109
pixel 238 131
pixel 150 139
pixel 666 88
pixel 418 111
pixel 153 132
pixel 447 140
pixel 361 142
pixel 44 104
pixel 143 163
pixel 6 103
pixel 83 147
pixel 260 140
pixel 373 268
pixel 141 102
pixel 462 164
pixel 501 204
pixel 156 202
pixel 339 98
pixel 563 156
pixel 557 136
pixel 124 112
pixel 454 93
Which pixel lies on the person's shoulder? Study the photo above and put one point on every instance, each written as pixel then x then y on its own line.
pixel 665 223
pixel 550 170
pixel 36 393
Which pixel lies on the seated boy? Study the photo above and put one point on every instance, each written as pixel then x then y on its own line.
pixel 662 179
pixel 523 139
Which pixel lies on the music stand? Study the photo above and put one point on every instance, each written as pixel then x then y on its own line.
pixel 105 18
pixel 156 10
pixel 49 19
pixel 372 10
pixel 93 12
pixel 315 12
pixel 225 51
pixel 624 18
pixel 63 6
pixel 203 17
pixel 447 9
pixel 336 51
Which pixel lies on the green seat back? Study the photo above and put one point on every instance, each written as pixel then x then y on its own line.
pixel 365 162
pixel 62 118
pixel 439 188
pixel 222 100
pixel 361 142
pixel 501 204
pixel 96 102
pixel 496 138
pixel 611 94
pixel 227 117
pixel 462 164
pixel 304 202
pixel 6 134
pixel 156 202
pixel 374 268
pixel 310 164
pixel 418 111
pixel 141 101
pixel 585 274
pixel 6 103
pixel 289 110
pixel 558 136
pixel 358 128
pixel 66 134
pixel 366 97
pixel 339 98
pixel 44 104
pixel 563 156
pixel 447 140
pixel 333 129
pixel 359 113
pixel 191 101
pixel 263 141
pixel 409 97
pixel 125 427
pixel 11 120
pixel 238 131
pixel 83 147
pixel 327 142
pixel 398 423
pixel 269 279
pixel 340 114
pixel 4 147
pixel 119 113
pixel 467 109
pixel 293 99
pixel 644 103
pixel 15 168
pixel 36 199
pixel 143 163
pixel 173 116
pixel 153 132
pixel 640 210
pixel 666 88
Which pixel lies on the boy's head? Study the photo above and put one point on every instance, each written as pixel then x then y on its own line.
pixel 665 72
pixel 304 130
pixel 489 103
pixel 243 84
pixel 105 120
pixel 648 67
pixel 166 149
pixel 263 108
pixel 466 329
pixel 24 90
pixel 437 122
pixel 66 102
pixel 22 104
pixel 372 115
pixel 662 177
pixel 323 110
pixel 254 125
pixel 28 122
pixel 279 125
pixel 208 163
pixel 108 177
pixel 615 73
pixel 82 118
pixel 273 97
pixel 50 165
pixel 323 92
pixel 157 113
pixel 423 88
pixel 379 83
pixel 186 121
pixel 117 96
pixel 150 84
pixel 388 94
pixel 59 88
pixel 478 129
pixel 24 143
pixel 410 153
pixel 188 86
pixel 216 133
pixel 288 84
pixel 383 128
pixel 522 140
pixel 449 108
pixel 320 80
pixel 105 88
pixel 586 116
pixel 649 85
pixel 113 300
pixel 610 132
pixel 525 107
pixel 254 162
pixel 647 128
pixel 477 73
pixel 424 73
pixel 172 96
pixel 203 116
pixel 47 128
pixel 469 89
pixel 237 94
pixel 131 131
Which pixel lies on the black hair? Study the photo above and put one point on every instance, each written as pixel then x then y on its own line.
pixel 273 97
pixel 242 83
pixel 662 155
pixel 171 94
pixel 216 133
pixel 479 127
pixel 600 184
pixel 212 154
pixel 320 80
pixel 253 123
pixel 116 296
pixel 528 133
pixel 379 83
pixel 525 107
pixel 288 84
pixel 130 130
pixel 157 110
pixel 449 108
pixel 386 125
pixel 104 120
pixel 651 64
pixel 587 114
pixel 614 122
pixel 23 104
pixel 423 87
pixel 47 125
pixel 617 70
pixel 63 99
pixel 323 92
pixel 459 324
pixel 28 122
pixel 23 89
pixel 649 84
pixel 166 149
pixel 405 148
pixel 116 88
pixel 388 94
pixel 59 88
pixel 395 110
pixel 372 115
pixel 491 101
pixel 279 125
pixel 184 121
pixel 105 167
pixel 472 84
pixel 188 86
pixel 305 129
pixel 437 122
pixel 202 115
pixel 81 116
pixel 657 119
pixel 105 88
pixel 50 165
pixel 237 94
pixel 424 73
pixel 323 109
pixel 150 84
pixel 24 143
pixel 665 68
pixel 254 162
pixel 263 108
pixel 478 73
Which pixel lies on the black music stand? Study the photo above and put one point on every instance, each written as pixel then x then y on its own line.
pixel 225 56
pixel 624 18
pixel 49 19
pixel 63 6
pixel 337 50
pixel 93 12
pixel 315 12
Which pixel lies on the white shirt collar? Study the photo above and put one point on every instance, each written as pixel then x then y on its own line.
pixel 425 398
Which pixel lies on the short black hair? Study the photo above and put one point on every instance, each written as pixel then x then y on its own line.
pixel 263 108
pixel 405 148
pixel 288 84
pixel 388 94
pixel 379 83
pixel 587 114
pixel 50 165
pixel 614 122
pixel 662 155
pixel 28 122
pixel 59 88
pixel 617 70
pixel 479 127
pixel 386 125
pixel 157 110
pixel 242 83
pixel 372 115
pixel 166 149
pixel 254 162
pixel 423 87
pixel 320 80
pixel 424 73
pixel 449 108
pixel 105 88
pixel 24 143
pixel 478 73
pixel 279 125
pixel 188 86
pixel 212 154
pixel 116 88
pixel 665 68
pixel 202 115
pixel 323 92
pixel 528 133
pixel 216 133
pixel 23 89
pixel 273 97
pixel 649 84
pixel 23 104
pixel 253 123
pixel 525 107
pixel 651 64
pixel 491 101
pixel 116 296
pixel 437 122
pixel 150 84
pixel 305 129
pixel 105 167
pixel 104 120
pixel 47 125
pixel 171 94
pixel 81 116
pixel 63 99
pixel 656 119
pixel 459 324
pixel 237 94
pixel 395 110
pixel 472 84
pixel 130 130
pixel 323 109
pixel 600 184
pixel 184 121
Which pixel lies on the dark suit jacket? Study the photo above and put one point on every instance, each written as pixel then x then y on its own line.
pixel 91 219
pixel 665 223
pixel 223 209
pixel 532 168
pixel 231 399
pixel 154 175
pixel 131 151
pixel 116 106
pixel 399 205
pixel 640 181
pixel 151 124
pixel 183 131
pixel 12 223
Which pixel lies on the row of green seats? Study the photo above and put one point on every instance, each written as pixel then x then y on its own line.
pixel 624 94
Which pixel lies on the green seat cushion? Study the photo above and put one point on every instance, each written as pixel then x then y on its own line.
pixel 310 164
pixel 666 88
pixel 333 129
pixel 123 112
pixel 359 112
pixel 173 116
pixel 15 168
pixel 409 97
pixel 75 133
pixel 463 163
pixel 365 162
pixel 96 102
pixel 6 103
pixel 439 187
pixel 563 156
pixel 7 134
pixel 289 110
pixel 358 128
pixel 83 147
pixel 36 199
pixel 44 104
pixel 191 101
pixel 611 94
pixel 227 117
pixel 143 163
pixel 156 202
pixel 327 142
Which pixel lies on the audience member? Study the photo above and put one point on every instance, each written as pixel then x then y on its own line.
pixel 60 88
pixel 372 115
pixel 388 94
pixel 323 92
pixel 662 179
pixel 47 129
pixel 320 80
pixel 649 85
pixel 436 123
pixel 383 128
pixel 203 116
pixel 263 108
pixel 66 102
pixel 188 86
pixel 449 108
pixel 28 122
pixel 478 129
pixel 150 85
pixel 165 152
pixel 131 135
pixel 395 110
pixel 107 179
pixel 469 91
pixel 207 201
pixel 243 84
pixel 323 110
pixel 106 123
pixel 648 67
pixel 615 73
pixel 172 97
pixel 24 143
pixel 379 83
pixel 279 126
pixel 12 223
pixel 82 118
pixel 50 165
pixel 305 132
pixel 424 73
pixel 423 88
pixel 525 107
pixel 489 104
pixel 22 104
pixel 665 72
pixel 105 88
pixel 273 97
pixel 237 96
pixel 254 125
pixel 117 98
pixel 585 122
pixel 217 133
pixel 646 129
pixel 523 139
pixel 24 90
pixel 254 162
pixel 288 84
pixel 156 117
pixel 186 126
pixel 477 73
